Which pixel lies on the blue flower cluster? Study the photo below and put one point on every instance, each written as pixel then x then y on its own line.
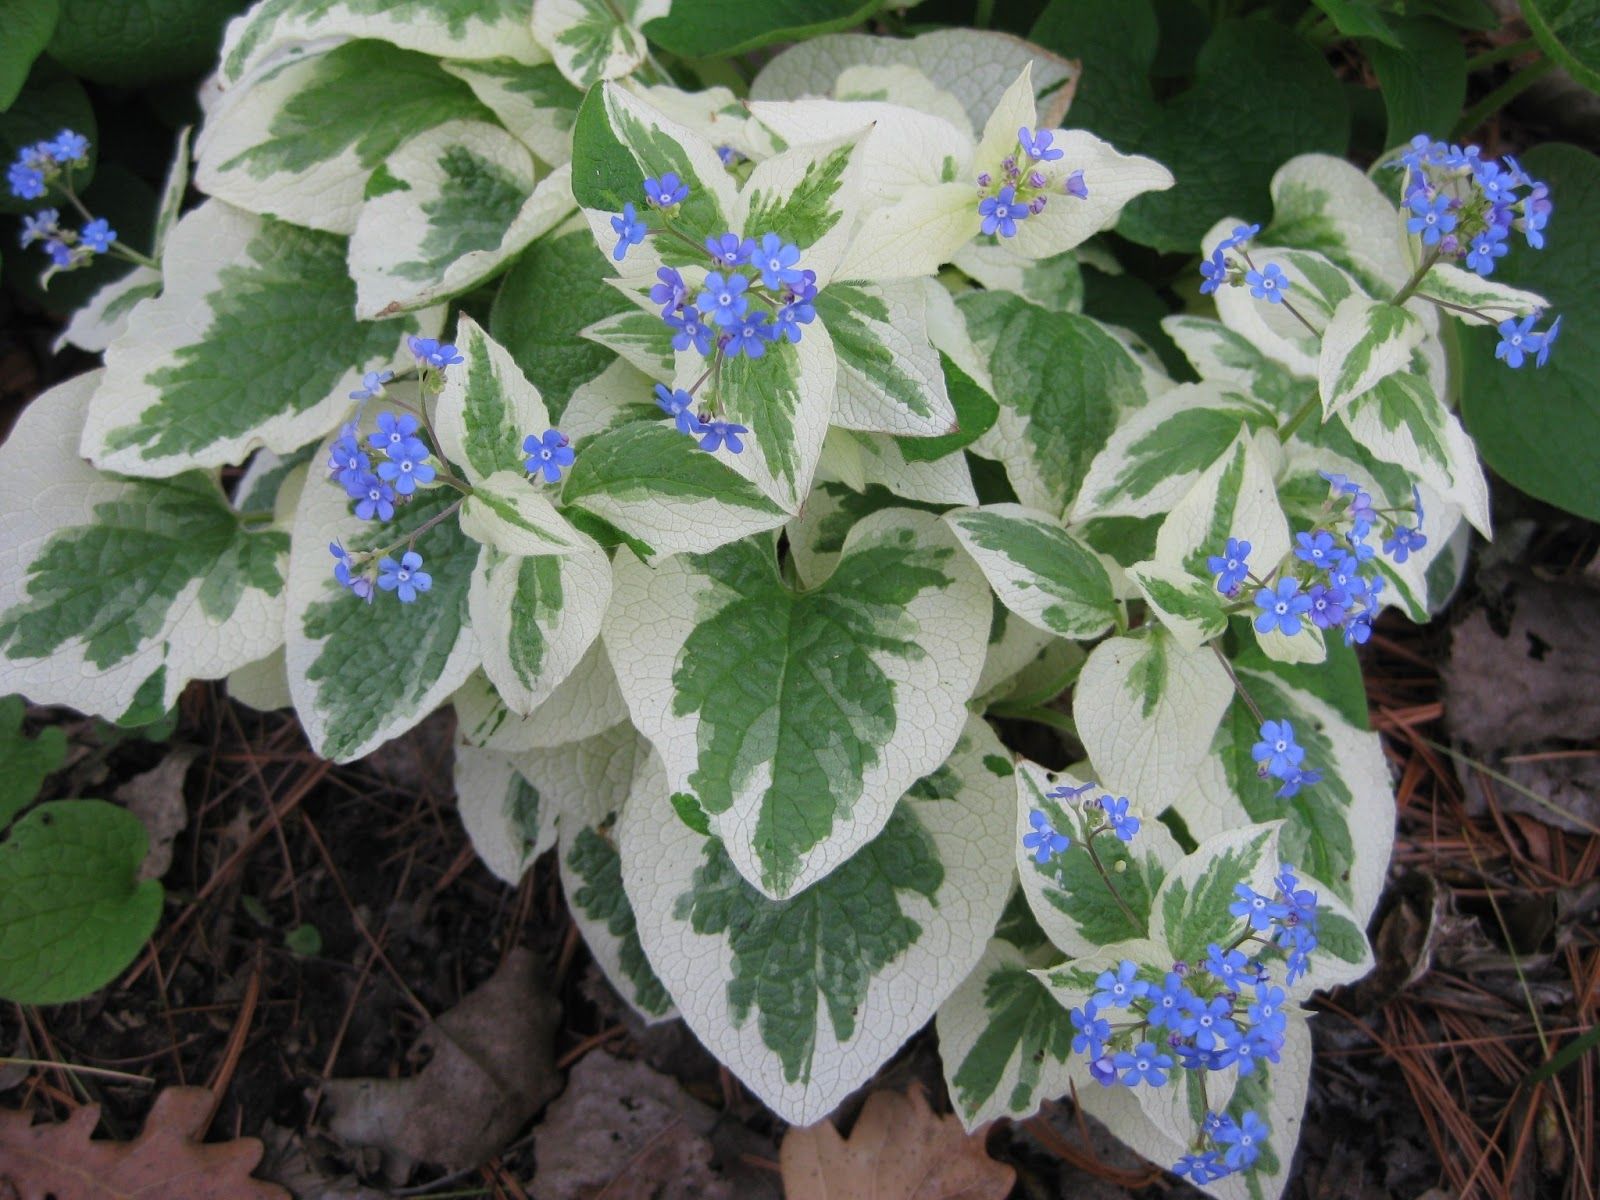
pixel 35 170
pixel 1024 183
pixel 1465 206
pixel 1218 1012
pixel 1322 582
pixel 1105 814
pixel 1267 282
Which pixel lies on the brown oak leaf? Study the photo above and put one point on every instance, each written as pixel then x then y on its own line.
pixel 899 1150
pixel 165 1160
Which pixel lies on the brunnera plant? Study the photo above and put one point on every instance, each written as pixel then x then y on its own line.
pixel 640 425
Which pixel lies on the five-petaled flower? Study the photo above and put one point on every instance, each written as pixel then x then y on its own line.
pixel 630 231
pixel 1001 212
pixel 1231 566
pixel 1044 841
pixel 1269 283
pixel 1281 607
pixel 406 578
pixel 550 453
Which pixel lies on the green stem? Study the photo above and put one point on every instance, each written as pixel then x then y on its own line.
pixel 1501 53
pixel 1298 418
pixel 1503 95
pixel 1238 686
pixel 1411 285
pixel 133 256
pixel 983 14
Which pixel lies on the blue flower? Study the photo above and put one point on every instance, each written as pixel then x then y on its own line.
pixel 1037 145
pixel 751 335
pixel 1328 606
pixel 1208 1023
pixel 1243 1140
pixel 1075 186
pixel 1230 968
pixel 1200 1168
pixel 1093 1030
pixel 777 260
pixel 730 251
pixel 372 385
pixel 1069 793
pixel 1517 339
pixel 39 225
pixel 1549 340
pixel 374 497
pixel 1144 1064
pixel 60 253
pixel 404 578
pixel 1400 544
pixel 666 191
pixel 1281 607
pixel 1484 248
pixel 1297 779
pixel 716 434
pixel 26 182
pixel 1044 841
pixel 1116 810
pixel 803 291
pixel 1255 1045
pixel 729 156
pixel 1121 987
pixel 1213 273
pixel 679 405
pixel 723 299
pixel 1277 752
pixel 98 235
pixel 1315 548
pixel 393 431
pixel 1260 911
pixel 1168 1002
pixel 345 459
pixel 1269 283
pixel 671 293
pixel 67 147
pixel 1265 1012
pixel 360 585
pixel 1431 217
pixel 422 348
pixel 407 466
pixel 1002 212
pixel 1231 566
pixel 791 317
pixel 550 452
pixel 1103 1070
pixel 1240 235
pixel 690 330
pixel 630 231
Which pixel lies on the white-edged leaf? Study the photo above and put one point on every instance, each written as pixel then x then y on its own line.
pixel 582 705
pixel 1367 341
pixel 535 103
pixel 1112 178
pixel 1316 288
pixel 253 342
pixel 507 820
pixel 262 685
pixel 1037 569
pixel 977 67
pixel 536 617
pixel 299 141
pixel 890 379
pixel 508 512
pixel 591 781
pixel 487 407
pixel 465 203
pixel 1072 904
pixel 1190 912
pixel 658 487
pixel 808 195
pixel 1219 355
pixel 105 317
pixel 1402 421
pixel 1003 1039
pixel 1156 454
pixel 797 720
pixel 1146 711
pixel 1469 291
pixel 115 592
pixel 334 638
pixel 805 998
pixel 472 29
pixel 1326 204
pixel 592 40
pixel 642 339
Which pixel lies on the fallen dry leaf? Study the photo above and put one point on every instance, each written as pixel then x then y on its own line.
pixel 156 798
pixel 625 1132
pixel 492 1069
pixel 899 1150
pixel 165 1160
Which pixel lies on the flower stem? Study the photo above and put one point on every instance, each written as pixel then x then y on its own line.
pixel 1238 686
pixel 410 539
pixel 1105 877
pixel 1411 285
pixel 1298 417
pixel 1501 54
